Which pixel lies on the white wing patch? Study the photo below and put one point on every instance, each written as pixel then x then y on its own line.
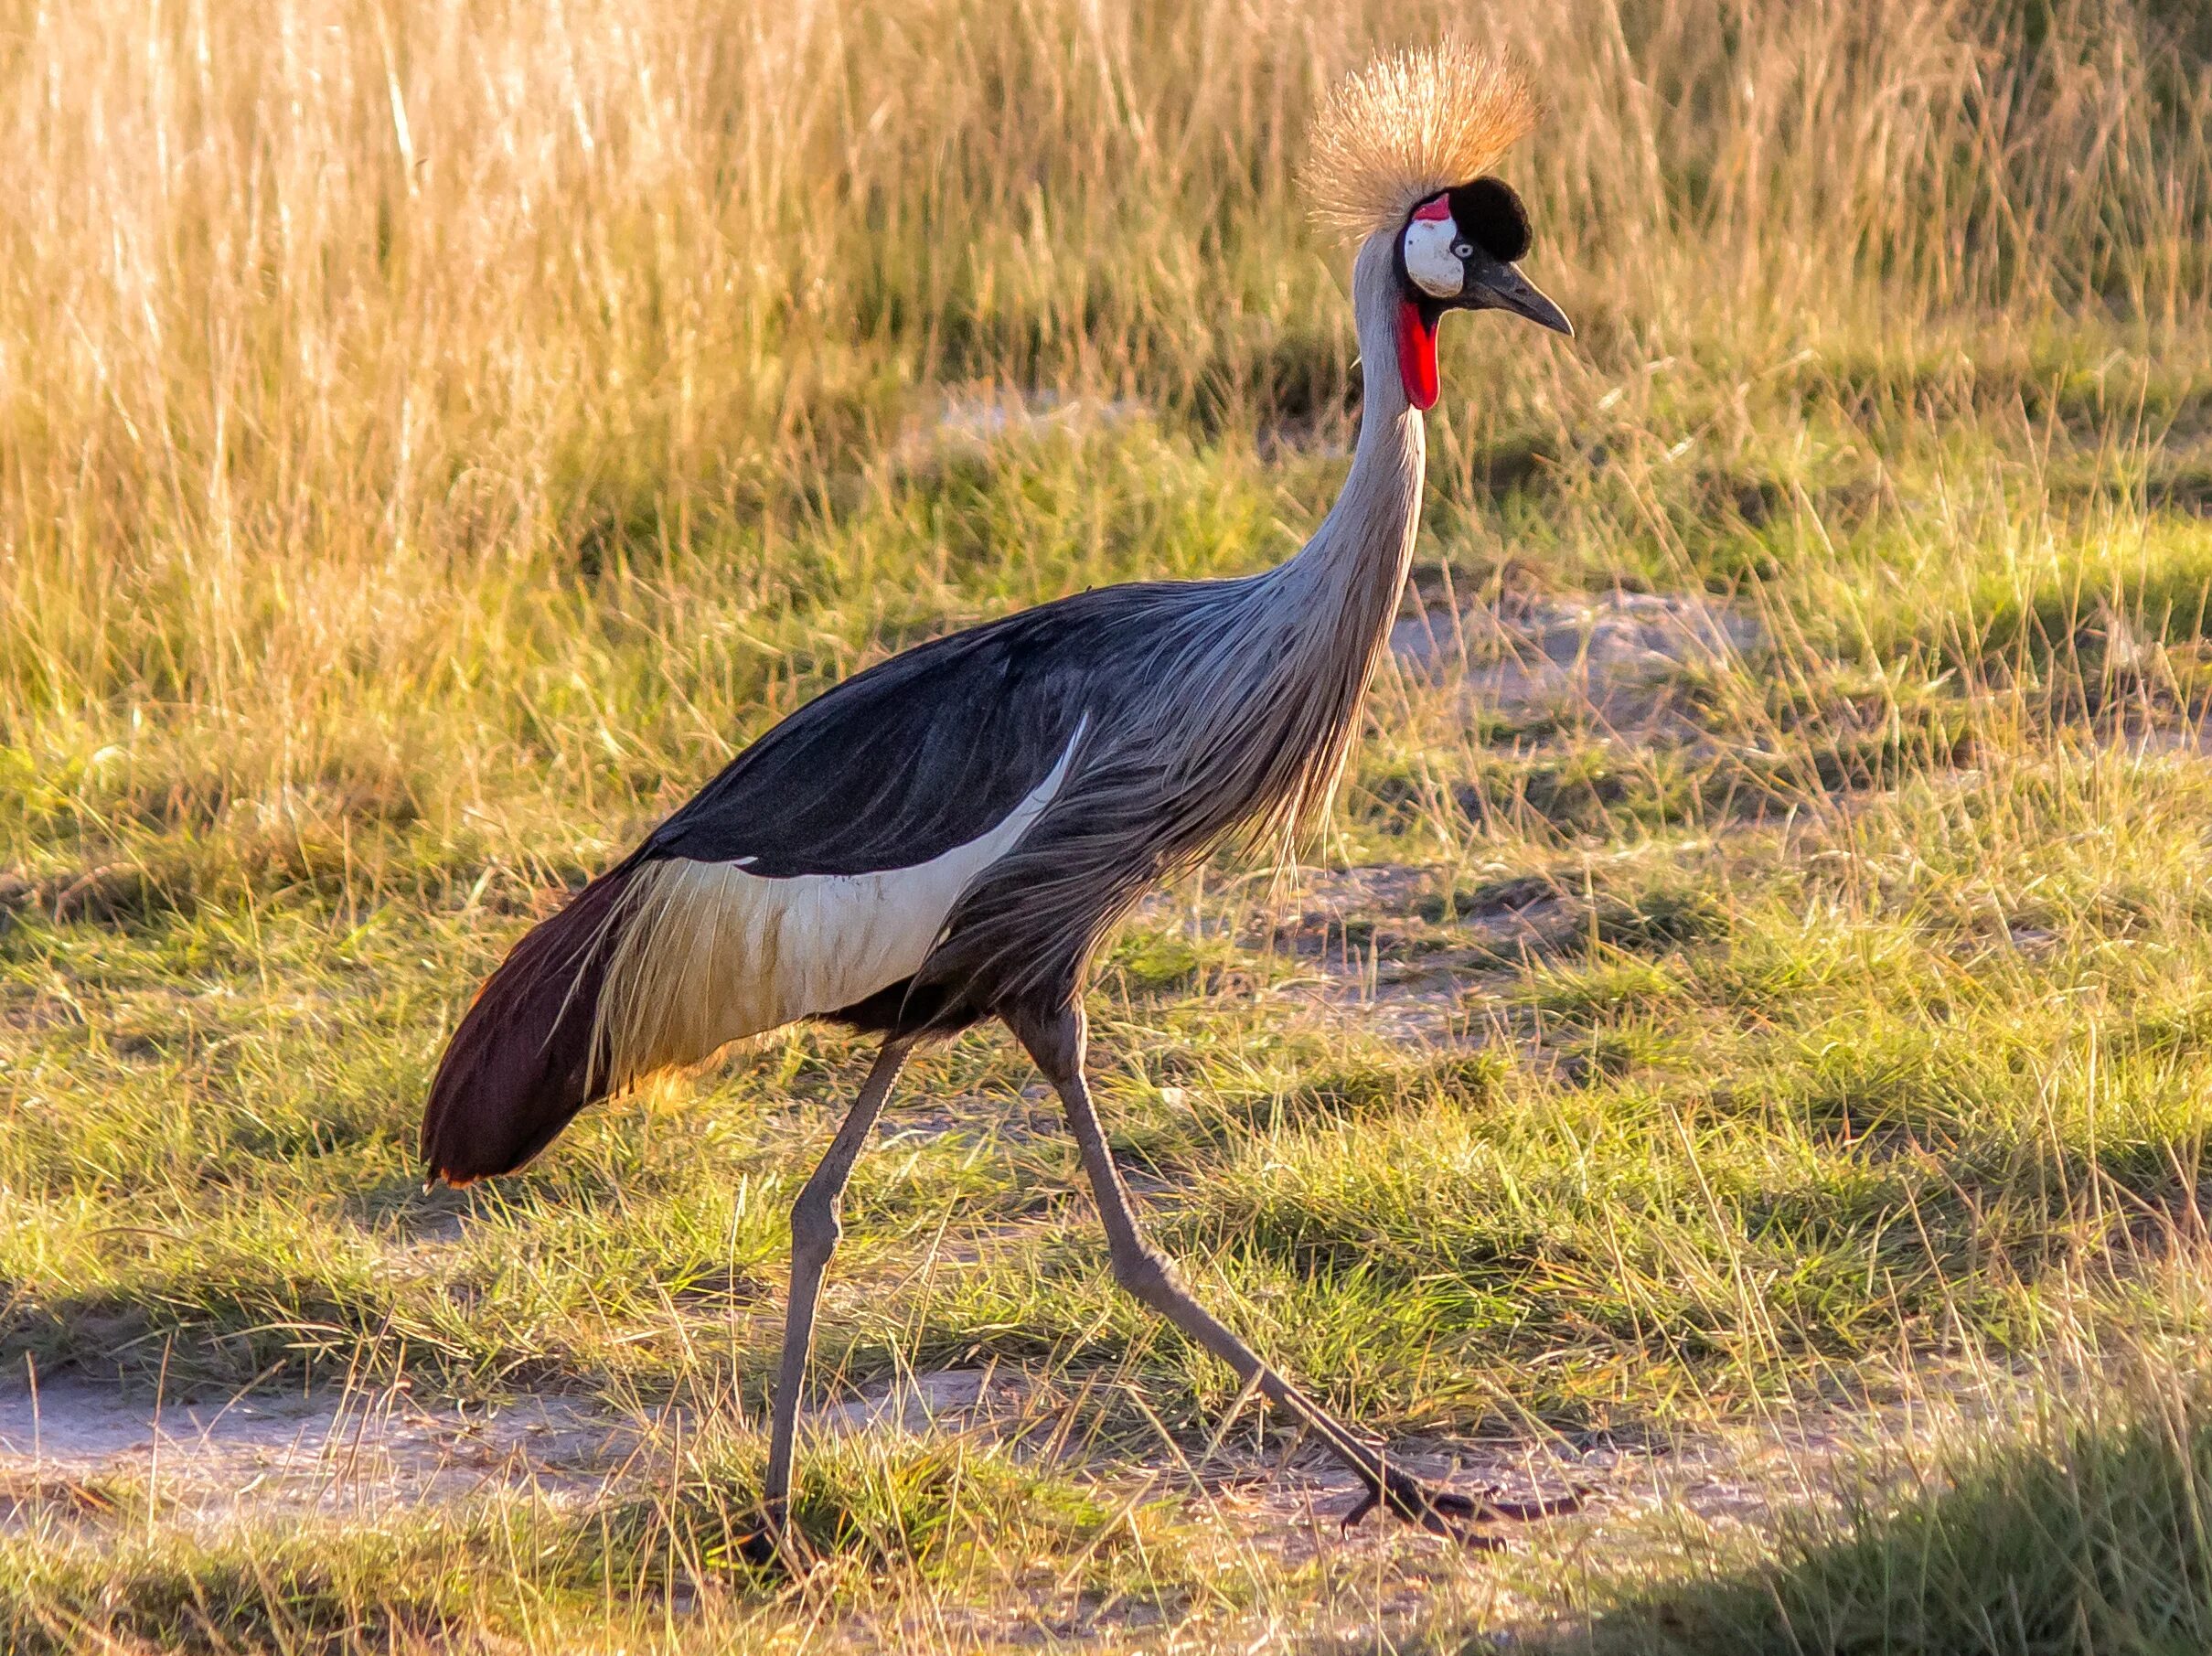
pixel 710 953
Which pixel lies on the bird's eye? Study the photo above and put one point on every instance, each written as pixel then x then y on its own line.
pixel 1463 250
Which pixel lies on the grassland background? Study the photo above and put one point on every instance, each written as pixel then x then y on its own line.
pixel 433 437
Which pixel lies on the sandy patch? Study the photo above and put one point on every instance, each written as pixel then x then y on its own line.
pixel 356 1452
pixel 1617 655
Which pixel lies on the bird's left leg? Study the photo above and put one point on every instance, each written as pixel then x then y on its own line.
pixel 814 1229
pixel 1057 1044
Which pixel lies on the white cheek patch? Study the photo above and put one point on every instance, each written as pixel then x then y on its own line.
pixel 1435 270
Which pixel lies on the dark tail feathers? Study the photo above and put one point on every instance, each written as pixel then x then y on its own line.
pixel 518 1068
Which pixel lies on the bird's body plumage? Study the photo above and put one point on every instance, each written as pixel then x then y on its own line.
pixel 953 832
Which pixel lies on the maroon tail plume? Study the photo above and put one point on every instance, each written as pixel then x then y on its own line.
pixel 518 1068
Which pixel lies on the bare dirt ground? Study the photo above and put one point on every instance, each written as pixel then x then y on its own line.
pixel 1615 656
pixel 77 1451
pixel 1620 662
pixel 209 1461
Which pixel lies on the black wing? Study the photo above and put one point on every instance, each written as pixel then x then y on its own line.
pixel 918 755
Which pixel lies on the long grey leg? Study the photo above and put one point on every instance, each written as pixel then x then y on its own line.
pixel 1058 1045
pixel 814 1230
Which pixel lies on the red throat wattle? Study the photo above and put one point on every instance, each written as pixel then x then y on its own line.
pixel 1417 355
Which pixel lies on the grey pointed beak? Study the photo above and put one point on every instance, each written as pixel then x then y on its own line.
pixel 1501 287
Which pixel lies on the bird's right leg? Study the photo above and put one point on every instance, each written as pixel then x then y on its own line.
pixel 1057 1044
pixel 814 1230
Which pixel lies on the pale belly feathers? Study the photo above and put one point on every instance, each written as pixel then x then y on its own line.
pixel 709 953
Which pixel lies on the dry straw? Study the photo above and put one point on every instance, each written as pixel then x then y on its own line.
pixel 1407 126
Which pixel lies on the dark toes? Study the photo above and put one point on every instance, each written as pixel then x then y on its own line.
pixel 1545 1506
pixel 759 1549
pixel 1439 1510
pixel 1452 1514
pixel 1451 1503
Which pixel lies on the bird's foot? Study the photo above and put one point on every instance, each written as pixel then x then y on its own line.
pixel 1450 1512
pixel 774 1545
pixel 763 1549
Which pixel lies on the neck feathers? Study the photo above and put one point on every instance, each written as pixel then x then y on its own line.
pixel 1363 548
pixel 1338 596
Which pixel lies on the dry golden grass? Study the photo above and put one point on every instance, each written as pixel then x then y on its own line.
pixel 339 336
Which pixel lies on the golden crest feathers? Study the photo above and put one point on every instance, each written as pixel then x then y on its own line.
pixel 1409 125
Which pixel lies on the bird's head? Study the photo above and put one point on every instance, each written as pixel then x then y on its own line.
pixel 1400 150
pixel 1458 251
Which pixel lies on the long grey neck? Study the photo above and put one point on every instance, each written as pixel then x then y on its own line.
pixel 1235 712
pixel 1349 576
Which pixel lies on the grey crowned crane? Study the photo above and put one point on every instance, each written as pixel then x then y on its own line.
pixel 950 835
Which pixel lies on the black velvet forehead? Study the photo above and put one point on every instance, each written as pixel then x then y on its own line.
pixel 1489 213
